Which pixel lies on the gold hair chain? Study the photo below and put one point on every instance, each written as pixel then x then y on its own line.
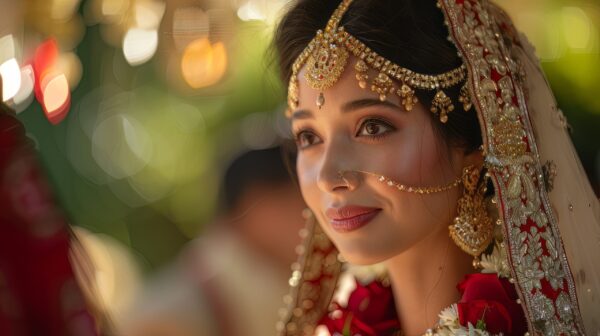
pixel 326 57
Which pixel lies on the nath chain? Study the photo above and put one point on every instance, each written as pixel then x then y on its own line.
pixel 411 189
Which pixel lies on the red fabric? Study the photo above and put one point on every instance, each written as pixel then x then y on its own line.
pixel 370 312
pixel 486 301
pixel 495 317
pixel 37 284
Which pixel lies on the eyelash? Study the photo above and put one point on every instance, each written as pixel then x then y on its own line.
pixel 373 137
pixel 378 122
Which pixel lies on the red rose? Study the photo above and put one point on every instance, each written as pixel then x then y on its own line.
pixel 494 316
pixel 372 303
pixel 492 300
pixel 370 312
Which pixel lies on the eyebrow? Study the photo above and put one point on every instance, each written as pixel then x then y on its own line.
pixel 351 106
pixel 367 102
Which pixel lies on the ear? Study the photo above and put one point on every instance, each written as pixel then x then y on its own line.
pixel 474 158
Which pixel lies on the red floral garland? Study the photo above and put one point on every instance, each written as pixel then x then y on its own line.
pixel 488 302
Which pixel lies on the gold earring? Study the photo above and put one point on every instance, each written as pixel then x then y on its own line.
pixel 472 229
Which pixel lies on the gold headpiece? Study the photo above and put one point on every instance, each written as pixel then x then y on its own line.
pixel 326 57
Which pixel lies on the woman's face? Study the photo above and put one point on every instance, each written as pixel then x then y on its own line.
pixel 366 219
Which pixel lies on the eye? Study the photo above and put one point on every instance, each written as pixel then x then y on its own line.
pixel 306 138
pixel 375 128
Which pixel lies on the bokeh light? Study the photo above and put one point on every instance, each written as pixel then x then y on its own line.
pixel 117 274
pixel 56 97
pixel 11 78
pixel 25 95
pixel 121 146
pixel 113 9
pixel 7 48
pixel 139 45
pixel 44 61
pixel 261 10
pixel 63 9
pixel 250 11
pixel 578 29
pixel 69 64
pixel 203 64
pixel 149 13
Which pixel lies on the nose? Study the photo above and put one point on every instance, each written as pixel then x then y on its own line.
pixel 335 174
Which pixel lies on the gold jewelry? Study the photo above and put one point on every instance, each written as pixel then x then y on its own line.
pixel 325 66
pixel 465 98
pixel 408 97
pixel 341 175
pixel 410 189
pixel 442 105
pixel 472 229
pixel 327 54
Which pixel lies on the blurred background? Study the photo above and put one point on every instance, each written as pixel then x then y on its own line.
pixel 138 106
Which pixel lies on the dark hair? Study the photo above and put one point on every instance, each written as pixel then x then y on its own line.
pixel 409 33
pixel 254 167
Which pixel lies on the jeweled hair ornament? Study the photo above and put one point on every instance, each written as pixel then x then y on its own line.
pixel 326 57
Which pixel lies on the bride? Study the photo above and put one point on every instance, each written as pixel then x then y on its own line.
pixel 430 145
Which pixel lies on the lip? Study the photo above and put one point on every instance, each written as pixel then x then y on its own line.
pixel 351 217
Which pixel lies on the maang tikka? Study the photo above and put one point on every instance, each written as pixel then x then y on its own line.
pixel 326 57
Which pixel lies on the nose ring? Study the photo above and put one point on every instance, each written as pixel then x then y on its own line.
pixel 342 177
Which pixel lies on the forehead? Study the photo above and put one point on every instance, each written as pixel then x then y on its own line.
pixel 345 89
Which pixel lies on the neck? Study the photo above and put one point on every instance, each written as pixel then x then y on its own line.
pixel 436 266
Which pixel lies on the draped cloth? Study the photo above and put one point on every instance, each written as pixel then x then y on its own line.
pixel 39 293
pixel 549 215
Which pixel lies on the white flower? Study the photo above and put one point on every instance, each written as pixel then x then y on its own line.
pixel 322 330
pixel 449 316
pixel 449 325
pixel 496 262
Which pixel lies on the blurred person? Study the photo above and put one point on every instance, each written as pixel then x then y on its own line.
pixel 231 280
pixel 39 291
pixel 430 142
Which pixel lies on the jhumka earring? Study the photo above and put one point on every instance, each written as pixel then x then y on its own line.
pixel 472 229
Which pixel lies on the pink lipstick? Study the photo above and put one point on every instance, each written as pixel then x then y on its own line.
pixel 351 217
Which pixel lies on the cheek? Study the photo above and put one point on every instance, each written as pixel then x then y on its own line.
pixel 417 159
pixel 414 157
pixel 421 213
pixel 307 178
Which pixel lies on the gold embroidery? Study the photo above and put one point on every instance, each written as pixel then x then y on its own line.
pixel 529 225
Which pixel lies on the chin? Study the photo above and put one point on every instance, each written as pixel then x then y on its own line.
pixel 365 256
